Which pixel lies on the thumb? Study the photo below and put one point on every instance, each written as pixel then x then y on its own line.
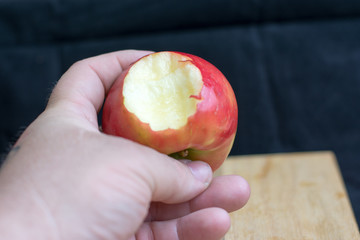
pixel 180 180
pixel 165 179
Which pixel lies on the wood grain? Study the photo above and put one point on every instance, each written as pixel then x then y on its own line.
pixel 293 196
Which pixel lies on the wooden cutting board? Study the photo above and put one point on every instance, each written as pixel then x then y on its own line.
pixel 293 196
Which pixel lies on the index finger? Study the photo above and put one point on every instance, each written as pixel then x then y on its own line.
pixel 86 82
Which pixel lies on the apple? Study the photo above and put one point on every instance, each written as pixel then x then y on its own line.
pixel 176 103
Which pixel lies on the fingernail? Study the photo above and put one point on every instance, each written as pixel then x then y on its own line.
pixel 201 170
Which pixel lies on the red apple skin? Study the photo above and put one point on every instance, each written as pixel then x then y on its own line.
pixel 209 133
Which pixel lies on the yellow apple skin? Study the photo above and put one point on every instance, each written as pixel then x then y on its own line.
pixel 208 134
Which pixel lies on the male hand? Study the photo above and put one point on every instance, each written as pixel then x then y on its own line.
pixel 64 179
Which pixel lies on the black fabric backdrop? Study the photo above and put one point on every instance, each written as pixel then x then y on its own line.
pixel 294 65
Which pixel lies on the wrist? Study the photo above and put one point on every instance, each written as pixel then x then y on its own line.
pixel 21 217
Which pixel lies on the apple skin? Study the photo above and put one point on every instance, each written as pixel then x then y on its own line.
pixel 209 133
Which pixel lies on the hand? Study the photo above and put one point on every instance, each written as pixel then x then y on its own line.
pixel 64 179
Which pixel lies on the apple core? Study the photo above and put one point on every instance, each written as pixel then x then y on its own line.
pixel 163 90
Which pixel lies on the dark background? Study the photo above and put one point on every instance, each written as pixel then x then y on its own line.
pixel 294 65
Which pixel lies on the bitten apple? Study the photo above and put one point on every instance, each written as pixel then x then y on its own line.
pixel 176 103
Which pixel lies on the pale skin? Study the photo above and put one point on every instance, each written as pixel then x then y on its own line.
pixel 65 179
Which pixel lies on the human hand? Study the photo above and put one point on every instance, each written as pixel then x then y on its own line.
pixel 64 179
